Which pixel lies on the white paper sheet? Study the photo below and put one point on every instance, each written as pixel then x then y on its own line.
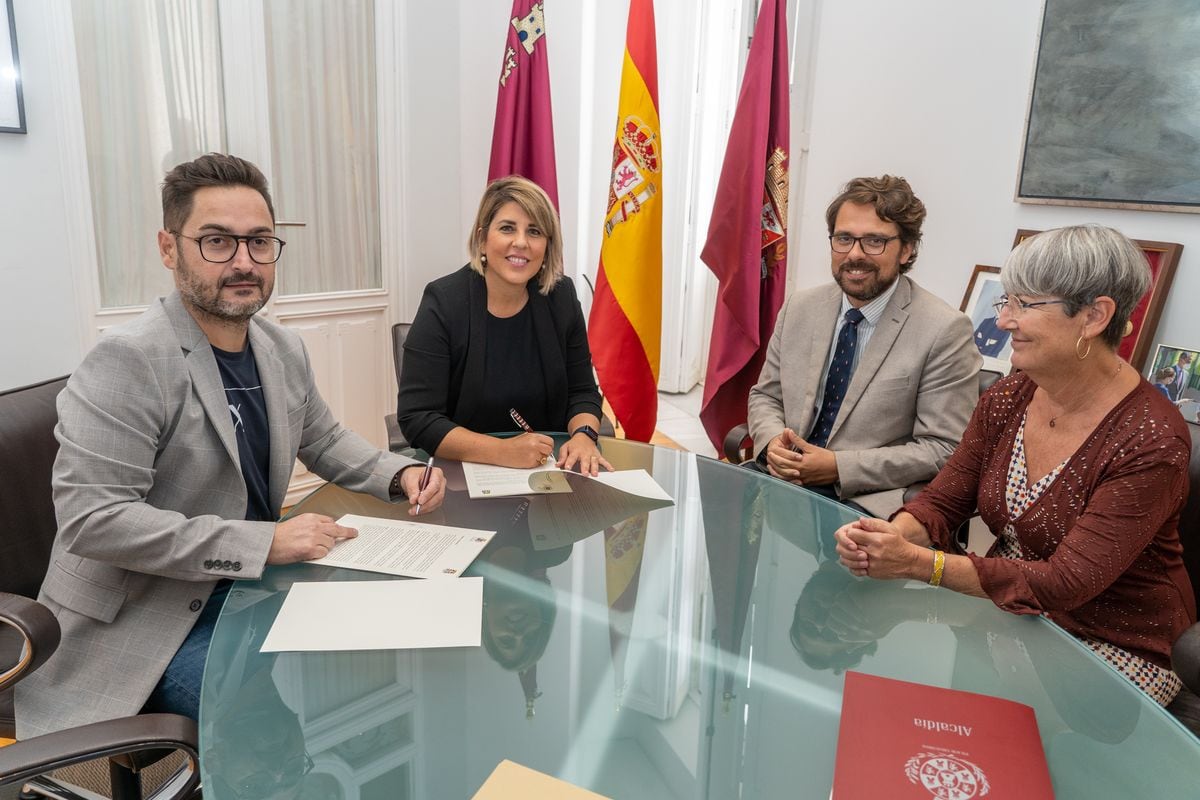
pixel 485 480
pixel 400 547
pixel 488 480
pixel 378 615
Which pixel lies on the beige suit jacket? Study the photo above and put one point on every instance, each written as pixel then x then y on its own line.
pixel 150 501
pixel 908 401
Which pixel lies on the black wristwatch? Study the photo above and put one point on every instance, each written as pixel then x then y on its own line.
pixel 588 431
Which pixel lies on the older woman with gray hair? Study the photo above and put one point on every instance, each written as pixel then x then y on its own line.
pixel 1077 464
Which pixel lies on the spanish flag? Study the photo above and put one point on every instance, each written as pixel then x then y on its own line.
pixel 624 328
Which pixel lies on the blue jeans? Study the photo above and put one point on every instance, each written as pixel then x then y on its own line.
pixel 178 690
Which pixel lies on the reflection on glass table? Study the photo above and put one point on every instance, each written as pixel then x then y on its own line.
pixel 692 651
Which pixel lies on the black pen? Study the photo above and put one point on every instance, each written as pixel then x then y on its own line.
pixel 424 484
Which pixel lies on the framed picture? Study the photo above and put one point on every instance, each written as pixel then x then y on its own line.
pixel 994 344
pixel 1175 371
pixel 1112 117
pixel 1163 258
pixel 12 101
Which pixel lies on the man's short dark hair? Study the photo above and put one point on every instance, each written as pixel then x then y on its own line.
pixel 213 169
pixel 893 201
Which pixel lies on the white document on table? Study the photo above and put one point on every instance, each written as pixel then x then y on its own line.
pixel 635 481
pixel 400 547
pixel 378 615
pixel 485 480
pixel 595 504
pixel 488 480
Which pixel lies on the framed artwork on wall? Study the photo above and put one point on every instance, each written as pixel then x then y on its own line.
pixel 1163 258
pixel 994 344
pixel 1112 116
pixel 1175 371
pixel 12 101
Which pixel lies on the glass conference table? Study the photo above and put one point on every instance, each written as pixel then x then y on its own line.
pixel 690 651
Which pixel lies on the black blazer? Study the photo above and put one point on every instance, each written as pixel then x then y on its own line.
pixel 442 377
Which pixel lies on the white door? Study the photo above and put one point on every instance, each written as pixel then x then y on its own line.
pixel 298 88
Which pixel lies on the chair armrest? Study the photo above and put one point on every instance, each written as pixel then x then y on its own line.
pixel 911 492
pixel 37 627
pixel 1185 658
pixel 736 447
pixel 396 440
pixel 115 739
pixel 606 426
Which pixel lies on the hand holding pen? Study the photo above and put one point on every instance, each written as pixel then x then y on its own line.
pixel 534 448
pixel 425 488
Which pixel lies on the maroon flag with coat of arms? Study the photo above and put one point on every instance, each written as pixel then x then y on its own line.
pixel 747 235
pixel 523 135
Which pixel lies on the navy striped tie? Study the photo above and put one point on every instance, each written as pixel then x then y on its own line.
pixel 840 370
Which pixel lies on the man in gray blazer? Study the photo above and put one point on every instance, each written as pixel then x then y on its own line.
pixel 868 382
pixel 177 436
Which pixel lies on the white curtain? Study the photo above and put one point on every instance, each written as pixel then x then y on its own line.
pixel 150 80
pixel 321 79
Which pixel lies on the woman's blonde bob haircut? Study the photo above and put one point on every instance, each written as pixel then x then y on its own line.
pixel 534 202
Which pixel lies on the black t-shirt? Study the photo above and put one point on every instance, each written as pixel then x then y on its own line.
pixel 248 408
pixel 513 377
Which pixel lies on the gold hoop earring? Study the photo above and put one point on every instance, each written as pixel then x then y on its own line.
pixel 1128 329
pixel 1085 353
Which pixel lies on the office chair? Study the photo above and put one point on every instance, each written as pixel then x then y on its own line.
pixel 1185 655
pixel 29 633
pixel 396 440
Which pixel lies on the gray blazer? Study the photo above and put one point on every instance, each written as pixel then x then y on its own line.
pixel 150 502
pixel 907 404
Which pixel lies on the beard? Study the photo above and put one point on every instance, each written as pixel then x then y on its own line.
pixel 870 285
pixel 206 297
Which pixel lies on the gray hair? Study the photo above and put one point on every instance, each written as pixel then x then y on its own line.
pixel 1079 264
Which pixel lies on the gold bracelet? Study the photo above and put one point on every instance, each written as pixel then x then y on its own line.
pixel 939 566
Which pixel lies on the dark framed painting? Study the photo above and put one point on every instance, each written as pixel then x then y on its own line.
pixel 994 344
pixel 1112 116
pixel 1163 258
pixel 12 101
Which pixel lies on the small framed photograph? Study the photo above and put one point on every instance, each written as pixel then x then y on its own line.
pixel 12 101
pixel 1163 258
pixel 982 293
pixel 1175 371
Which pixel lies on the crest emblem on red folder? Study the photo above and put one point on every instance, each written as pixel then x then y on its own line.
pixel 947 777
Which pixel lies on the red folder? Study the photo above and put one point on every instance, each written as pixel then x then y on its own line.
pixel 906 740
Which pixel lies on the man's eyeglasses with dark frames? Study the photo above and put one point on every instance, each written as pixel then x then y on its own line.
pixel 220 248
pixel 871 245
pixel 1016 306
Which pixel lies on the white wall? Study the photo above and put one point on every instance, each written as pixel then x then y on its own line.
pixel 949 83
pixel 39 325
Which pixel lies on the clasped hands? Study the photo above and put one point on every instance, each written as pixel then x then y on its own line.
pixel 877 548
pixel 793 459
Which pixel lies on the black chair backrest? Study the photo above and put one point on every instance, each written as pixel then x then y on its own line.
pixel 399 334
pixel 1189 518
pixel 986 378
pixel 27 450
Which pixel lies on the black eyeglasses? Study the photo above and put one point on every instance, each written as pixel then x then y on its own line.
pixel 1016 306
pixel 871 245
pixel 220 248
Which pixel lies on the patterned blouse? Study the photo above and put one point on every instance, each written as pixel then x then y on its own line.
pixel 1099 546
pixel 1161 684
